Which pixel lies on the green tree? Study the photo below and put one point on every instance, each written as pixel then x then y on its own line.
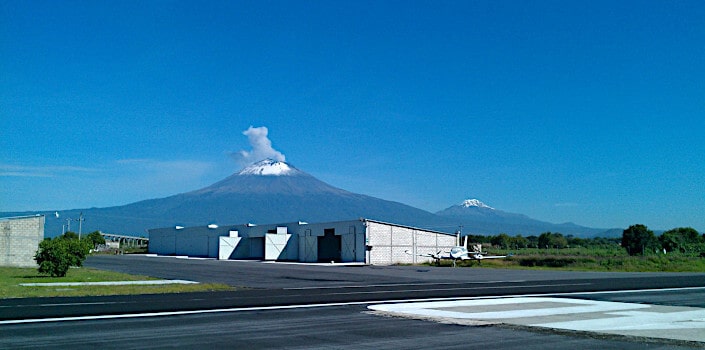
pixel 69 235
pixel 638 239
pixel 55 256
pixel 501 240
pixel 95 238
pixel 533 241
pixel 552 240
pixel 478 239
pixel 519 242
pixel 682 239
pixel 574 242
pixel 559 241
pixel 544 240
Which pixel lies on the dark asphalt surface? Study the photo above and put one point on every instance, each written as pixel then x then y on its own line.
pixel 339 326
pixel 343 327
pixel 252 274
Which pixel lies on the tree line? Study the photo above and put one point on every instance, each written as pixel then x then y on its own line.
pixel 636 240
pixel 546 240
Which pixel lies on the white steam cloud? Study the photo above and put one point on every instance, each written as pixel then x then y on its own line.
pixel 261 147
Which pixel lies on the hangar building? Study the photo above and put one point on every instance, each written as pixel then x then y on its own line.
pixel 366 241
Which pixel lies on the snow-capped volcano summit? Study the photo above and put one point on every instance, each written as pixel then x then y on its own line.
pixel 269 167
pixel 474 203
pixel 478 217
pixel 268 191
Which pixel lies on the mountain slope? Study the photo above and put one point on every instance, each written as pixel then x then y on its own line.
pixel 265 192
pixel 477 217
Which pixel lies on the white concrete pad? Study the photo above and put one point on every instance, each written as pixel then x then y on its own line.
pixel 642 320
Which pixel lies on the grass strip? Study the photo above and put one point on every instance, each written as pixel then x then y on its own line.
pixel 617 263
pixel 11 279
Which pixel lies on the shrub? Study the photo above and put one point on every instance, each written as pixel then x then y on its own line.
pixel 546 261
pixel 638 240
pixel 95 238
pixel 55 256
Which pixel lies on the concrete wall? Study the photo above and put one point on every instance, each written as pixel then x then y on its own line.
pixel 19 240
pixel 396 244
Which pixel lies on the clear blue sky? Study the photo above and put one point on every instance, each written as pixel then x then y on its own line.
pixel 591 112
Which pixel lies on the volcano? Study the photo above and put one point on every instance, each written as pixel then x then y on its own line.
pixel 268 191
pixel 478 217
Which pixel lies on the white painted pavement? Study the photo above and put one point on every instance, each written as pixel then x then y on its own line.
pixel 640 320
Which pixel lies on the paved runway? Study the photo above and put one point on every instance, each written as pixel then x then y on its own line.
pixel 338 327
pixel 291 306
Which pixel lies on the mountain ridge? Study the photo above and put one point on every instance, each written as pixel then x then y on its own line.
pixel 276 192
pixel 476 215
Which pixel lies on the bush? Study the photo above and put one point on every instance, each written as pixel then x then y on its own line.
pixel 55 256
pixel 95 238
pixel 546 261
pixel 638 240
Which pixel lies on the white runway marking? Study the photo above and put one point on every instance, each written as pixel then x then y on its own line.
pixel 643 320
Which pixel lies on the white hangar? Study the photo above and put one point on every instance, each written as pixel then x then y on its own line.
pixel 365 241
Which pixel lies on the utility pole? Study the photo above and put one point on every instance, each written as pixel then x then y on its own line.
pixel 80 225
pixel 68 225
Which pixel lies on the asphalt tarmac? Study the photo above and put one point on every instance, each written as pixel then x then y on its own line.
pixel 255 274
pixel 303 306
pixel 337 327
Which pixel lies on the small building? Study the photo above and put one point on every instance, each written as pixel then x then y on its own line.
pixel 19 240
pixel 365 241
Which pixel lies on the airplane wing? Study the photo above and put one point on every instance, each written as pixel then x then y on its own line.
pixel 481 256
pixel 428 255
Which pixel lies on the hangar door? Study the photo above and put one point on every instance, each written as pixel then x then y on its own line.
pixel 308 247
pixel 352 246
pixel 256 247
pixel 329 246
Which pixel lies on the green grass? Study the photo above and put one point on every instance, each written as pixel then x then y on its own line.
pixel 610 258
pixel 610 251
pixel 12 277
pixel 598 262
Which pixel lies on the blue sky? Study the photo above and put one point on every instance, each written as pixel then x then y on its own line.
pixel 590 112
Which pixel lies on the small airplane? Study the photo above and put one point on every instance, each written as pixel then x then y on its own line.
pixel 459 253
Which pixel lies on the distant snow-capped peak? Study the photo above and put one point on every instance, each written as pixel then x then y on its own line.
pixel 269 167
pixel 474 203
